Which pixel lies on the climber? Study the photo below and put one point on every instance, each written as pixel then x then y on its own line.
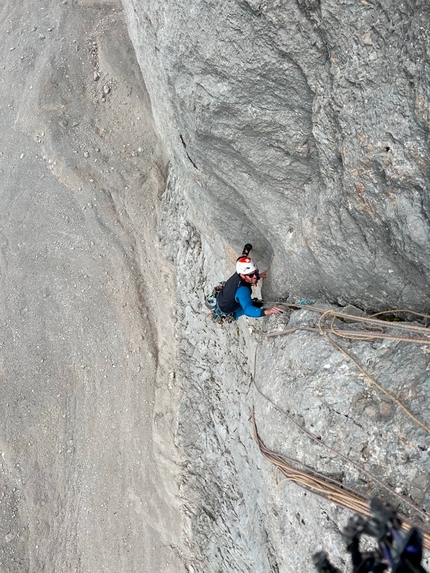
pixel 234 298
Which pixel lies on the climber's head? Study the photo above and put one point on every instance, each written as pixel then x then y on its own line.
pixel 247 270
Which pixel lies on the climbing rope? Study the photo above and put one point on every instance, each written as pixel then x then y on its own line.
pixel 360 335
pixel 367 320
pixel 309 478
pixel 322 485
pixel 318 441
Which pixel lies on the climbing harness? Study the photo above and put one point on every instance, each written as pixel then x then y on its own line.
pixel 216 314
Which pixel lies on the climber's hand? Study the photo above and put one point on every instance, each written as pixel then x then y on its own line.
pixel 273 310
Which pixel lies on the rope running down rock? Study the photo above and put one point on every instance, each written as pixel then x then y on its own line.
pixel 316 482
pixel 324 486
pixel 354 335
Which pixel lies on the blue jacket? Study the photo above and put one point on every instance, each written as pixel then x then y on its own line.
pixel 243 297
pixel 235 298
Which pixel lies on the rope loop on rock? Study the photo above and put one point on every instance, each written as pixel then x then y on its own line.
pixel 310 478
pixel 355 335
pixel 315 482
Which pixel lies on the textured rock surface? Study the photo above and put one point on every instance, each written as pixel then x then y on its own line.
pixel 124 428
pixel 301 127
pixel 325 393
pixel 238 520
pixel 86 335
pixel 307 123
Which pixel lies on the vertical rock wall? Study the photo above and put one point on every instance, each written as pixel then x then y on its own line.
pixel 87 334
pixel 237 518
pixel 305 122
pixel 300 126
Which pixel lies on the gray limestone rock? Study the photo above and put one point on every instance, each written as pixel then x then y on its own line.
pixel 301 127
pixel 238 518
pixel 305 123
pixel 88 466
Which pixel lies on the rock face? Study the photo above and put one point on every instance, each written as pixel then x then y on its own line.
pixel 304 122
pixel 125 435
pixel 237 518
pixel 85 354
pixel 302 128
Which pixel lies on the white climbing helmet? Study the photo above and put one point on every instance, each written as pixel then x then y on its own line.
pixel 245 265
